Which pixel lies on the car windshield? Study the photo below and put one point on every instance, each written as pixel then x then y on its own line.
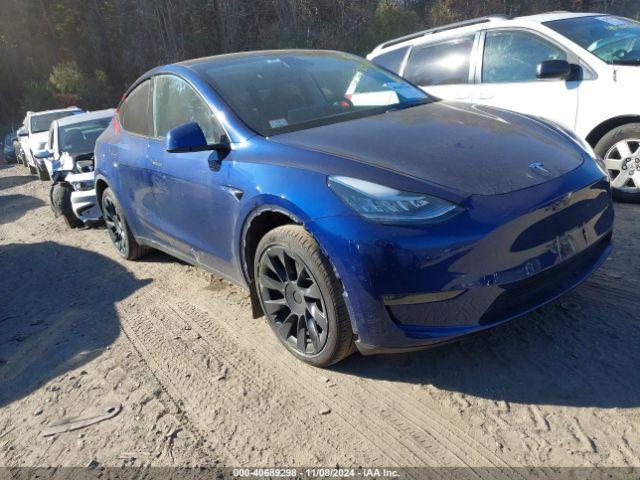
pixel 81 137
pixel 279 92
pixel 615 40
pixel 42 122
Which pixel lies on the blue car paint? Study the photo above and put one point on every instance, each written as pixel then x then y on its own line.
pixel 186 204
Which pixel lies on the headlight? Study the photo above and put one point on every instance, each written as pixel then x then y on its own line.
pixel 82 186
pixel 387 205
pixel 581 143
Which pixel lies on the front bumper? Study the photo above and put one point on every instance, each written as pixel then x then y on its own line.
pixel 85 205
pixel 409 288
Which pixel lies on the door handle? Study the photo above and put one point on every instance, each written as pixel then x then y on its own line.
pixel 485 97
pixel 156 163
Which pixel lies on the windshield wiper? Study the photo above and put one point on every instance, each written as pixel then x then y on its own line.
pixel 626 62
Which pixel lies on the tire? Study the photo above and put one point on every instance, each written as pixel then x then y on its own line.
pixel 32 170
pixel 296 285
pixel 118 228
pixel 61 204
pixel 623 164
pixel 43 174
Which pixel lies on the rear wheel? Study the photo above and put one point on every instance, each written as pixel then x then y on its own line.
pixel 119 232
pixel 620 150
pixel 301 297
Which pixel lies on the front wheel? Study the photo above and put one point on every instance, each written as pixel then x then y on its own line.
pixel 61 204
pixel 43 174
pixel 620 150
pixel 32 170
pixel 301 297
pixel 119 232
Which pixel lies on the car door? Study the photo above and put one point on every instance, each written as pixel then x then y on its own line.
pixel 192 203
pixel 507 76
pixel 129 153
pixel 444 67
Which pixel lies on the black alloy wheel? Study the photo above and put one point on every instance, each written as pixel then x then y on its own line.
pixel 302 297
pixel 293 301
pixel 115 226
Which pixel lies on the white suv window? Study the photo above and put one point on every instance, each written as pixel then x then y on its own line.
pixel 391 60
pixel 512 56
pixel 442 63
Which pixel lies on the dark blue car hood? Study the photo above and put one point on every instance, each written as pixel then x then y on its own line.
pixel 469 148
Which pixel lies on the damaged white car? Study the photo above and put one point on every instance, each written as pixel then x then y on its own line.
pixel 68 158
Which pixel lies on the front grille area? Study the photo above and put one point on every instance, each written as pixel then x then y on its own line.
pixel 521 296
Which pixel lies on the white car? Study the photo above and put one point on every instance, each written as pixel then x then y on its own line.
pixel 68 159
pixel 37 124
pixel 575 69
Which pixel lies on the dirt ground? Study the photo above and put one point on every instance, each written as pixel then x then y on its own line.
pixel 202 383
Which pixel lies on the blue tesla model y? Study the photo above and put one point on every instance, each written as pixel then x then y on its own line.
pixel 358 211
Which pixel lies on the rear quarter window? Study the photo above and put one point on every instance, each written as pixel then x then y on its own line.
pixel 134 111
pixel 391 60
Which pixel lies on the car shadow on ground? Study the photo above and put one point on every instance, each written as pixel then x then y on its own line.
pixel 15 181
pixel 576 352
pixel 13 207
pixel 57 312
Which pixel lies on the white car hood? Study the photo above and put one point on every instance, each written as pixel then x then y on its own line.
pixel 626 74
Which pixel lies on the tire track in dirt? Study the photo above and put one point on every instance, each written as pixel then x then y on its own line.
pixel 426 438
pixel 190 353
pixel 396 411
pixel 213 343
pixel 170 288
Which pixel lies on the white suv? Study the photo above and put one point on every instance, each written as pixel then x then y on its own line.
pixel 579 70
pixel 37 124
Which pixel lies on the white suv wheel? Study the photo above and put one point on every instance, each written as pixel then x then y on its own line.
pixel 623 162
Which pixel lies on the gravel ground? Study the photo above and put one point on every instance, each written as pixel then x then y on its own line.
pixel 202 383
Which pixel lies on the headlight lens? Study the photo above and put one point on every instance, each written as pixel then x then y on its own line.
pixel 82 186
pixel 387 205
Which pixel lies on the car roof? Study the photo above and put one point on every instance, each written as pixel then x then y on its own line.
pixel 44 112
pixel 551 16
pixel 85 117
pixel 500 20
pixel 231 57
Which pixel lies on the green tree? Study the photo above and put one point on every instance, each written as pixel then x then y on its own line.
pixel 390 19
pixel 67 78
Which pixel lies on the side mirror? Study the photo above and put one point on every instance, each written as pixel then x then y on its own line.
pixel 23 132
pixel 189 137
pixel 42 154
pixel 553 69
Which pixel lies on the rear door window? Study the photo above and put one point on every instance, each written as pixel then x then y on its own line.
pixel 442 63
pixel 134 111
